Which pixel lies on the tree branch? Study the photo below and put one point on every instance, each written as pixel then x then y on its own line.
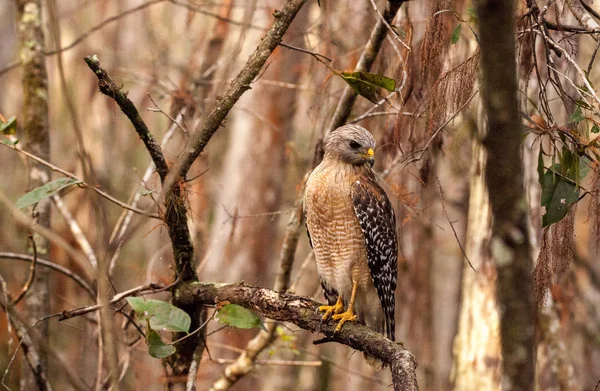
pixel 303 312
pixel 51 265
pixel 110 89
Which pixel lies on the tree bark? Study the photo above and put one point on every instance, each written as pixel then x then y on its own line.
pixel 477 355
pixel 303 312
pixel 510 242
pixel 36 141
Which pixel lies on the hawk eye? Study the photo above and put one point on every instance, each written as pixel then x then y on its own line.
pixel 354 144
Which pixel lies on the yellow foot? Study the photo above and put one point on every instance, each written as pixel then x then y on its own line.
pixel 343 318
pixel 332 309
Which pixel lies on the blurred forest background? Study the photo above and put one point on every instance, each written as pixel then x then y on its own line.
pixel 174 57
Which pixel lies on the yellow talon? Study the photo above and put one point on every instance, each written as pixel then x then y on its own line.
pixel 343 318
pixel 336 309
pixel 332 309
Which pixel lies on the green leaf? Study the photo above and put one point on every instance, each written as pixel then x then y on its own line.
pixel 472 13
pixel 456 33
pixel 162 315
pixel 366 84
pixel 39 193
pixel 156 347
pixel 558 194
pixel 577 116
pixel 595 128
pixel 399 32
pixel 9 128
pixel 582 103
pixel 10 142
pixel 584 167
pixel 145 193
pixel 238 316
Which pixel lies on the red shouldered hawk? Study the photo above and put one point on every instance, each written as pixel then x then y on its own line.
pixel 352 229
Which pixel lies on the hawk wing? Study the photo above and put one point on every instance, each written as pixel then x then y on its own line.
pixel 378 223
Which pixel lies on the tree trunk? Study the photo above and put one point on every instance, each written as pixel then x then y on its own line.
pixel 477 356
pixel 510 239
pixel 36 141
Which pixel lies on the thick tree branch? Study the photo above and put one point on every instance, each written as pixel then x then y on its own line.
pixel 174 215
pixel 303 312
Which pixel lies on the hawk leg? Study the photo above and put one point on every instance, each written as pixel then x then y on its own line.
pixel 349 314
pixel 332 309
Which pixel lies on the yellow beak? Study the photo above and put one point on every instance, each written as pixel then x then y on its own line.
pixel 370 157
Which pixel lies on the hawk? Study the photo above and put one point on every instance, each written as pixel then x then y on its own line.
pixel 352 229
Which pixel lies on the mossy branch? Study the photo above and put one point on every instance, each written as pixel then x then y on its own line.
pixel 303 312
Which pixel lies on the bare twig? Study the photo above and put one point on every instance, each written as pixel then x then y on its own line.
pixel 31 272
pixel 25 221
pixel 76 230
pixel 387 24
pixel 441 189
pixel 109 88
pixel 239 85
pixel 30 351
pixel 570 60
pixel 83 183
pixel 51 265
pixel 246 360
pixel 117 237
pixel 316 55
pixel 367 58
pixel 409 158
pixel 143 289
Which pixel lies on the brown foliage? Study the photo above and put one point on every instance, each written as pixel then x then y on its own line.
pixel 555 255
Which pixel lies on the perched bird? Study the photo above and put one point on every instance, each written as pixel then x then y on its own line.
pixel 352 229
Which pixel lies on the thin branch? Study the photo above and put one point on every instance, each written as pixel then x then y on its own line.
pixel 117 237
pixel 32 356
pixel 143 289
pixel 239 85
pixel 109 88
pixel 422 151
pixel 56 267
pixel 102 24
pixel 367 58
pixel 31 272
pixel 76 230
pixel 582 16
pixel 303 312
pixel 245 361
pixel 570 60
pixel 387 24
pixel 316 55
pixel 83 183
pixel 589 9
pixel 450 222
pixel 173 120
pixel 25 221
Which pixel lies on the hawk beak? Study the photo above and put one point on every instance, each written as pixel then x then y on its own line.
pixel 370 156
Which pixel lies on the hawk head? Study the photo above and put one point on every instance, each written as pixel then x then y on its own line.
pixel 351 144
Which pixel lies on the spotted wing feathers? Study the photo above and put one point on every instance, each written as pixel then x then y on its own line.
pixel 378 223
